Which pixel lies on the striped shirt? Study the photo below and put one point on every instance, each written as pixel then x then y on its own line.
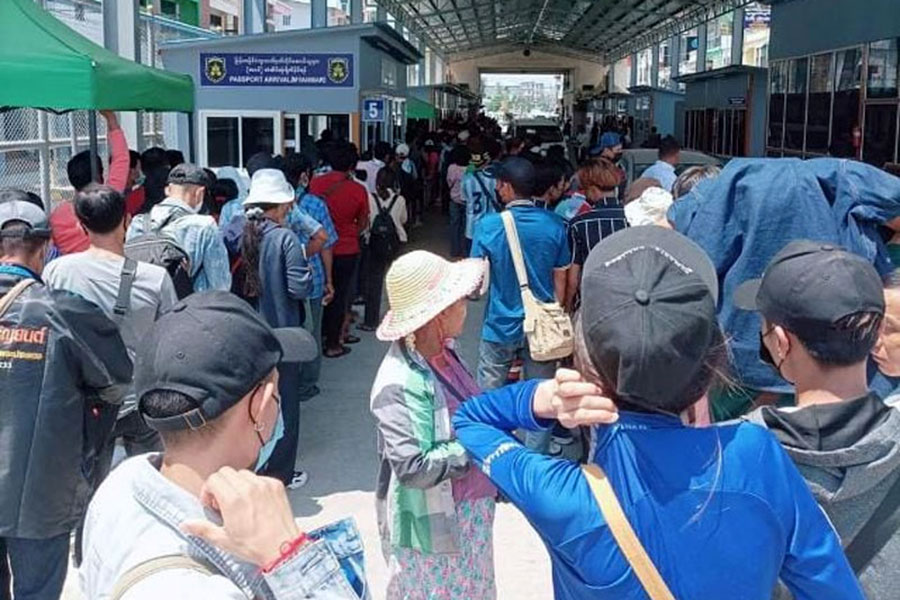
pixel 586 230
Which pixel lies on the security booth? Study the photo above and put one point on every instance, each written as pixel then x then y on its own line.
pixel 724 111
pixel 833 88
pixel 277 92
pixel 653 107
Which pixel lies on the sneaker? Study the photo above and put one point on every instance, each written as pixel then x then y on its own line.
pixel 307 394
pixel 298 480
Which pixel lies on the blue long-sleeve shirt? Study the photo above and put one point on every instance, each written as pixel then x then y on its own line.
pixel 722 511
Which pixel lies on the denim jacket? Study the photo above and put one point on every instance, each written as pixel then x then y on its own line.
pixel 136 516
pixel 200 238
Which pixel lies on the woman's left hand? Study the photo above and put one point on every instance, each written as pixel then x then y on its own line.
pixel 573 401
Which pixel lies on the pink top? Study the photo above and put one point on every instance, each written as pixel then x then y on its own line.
pixel 454 182
pixel 458 386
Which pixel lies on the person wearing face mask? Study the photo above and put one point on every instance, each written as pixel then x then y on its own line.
pixel 195 521
pixel 610 148
pixel 714 512
pixel 435 510
pixel 822 309
pixel 274 277
pixel 63 372
pixel 132 294
pixel 198 235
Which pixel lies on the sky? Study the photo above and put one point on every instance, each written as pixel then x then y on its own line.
pixel 516 78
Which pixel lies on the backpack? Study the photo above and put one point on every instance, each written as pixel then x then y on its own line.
pixel 384 242
pixel 158 248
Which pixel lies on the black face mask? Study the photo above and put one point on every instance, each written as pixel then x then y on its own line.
pixel 766 356
pixel 617 157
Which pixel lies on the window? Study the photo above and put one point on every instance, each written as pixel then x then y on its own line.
pixel 882 76
pixel 795 106
pixel 79 11
pixel 845 132
pixel 818 110
pixel 777 89
pixel 168 8
pixel 665 65
pixel 756 34
pixel 644 64
pixel 286 20
pixel 388 73
pixel 215 22
pixel 687 59
pixel 222 141
pixel 881 134
pixel 719 34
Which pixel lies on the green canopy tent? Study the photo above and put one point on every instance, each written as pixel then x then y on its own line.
pixel 419 109
pixel 44 64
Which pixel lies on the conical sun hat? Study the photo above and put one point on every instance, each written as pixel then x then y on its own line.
pixel 420 285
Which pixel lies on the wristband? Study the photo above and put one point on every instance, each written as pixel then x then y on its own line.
pixel 288 550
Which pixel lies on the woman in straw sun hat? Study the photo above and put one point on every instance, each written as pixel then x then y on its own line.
pixel 435 510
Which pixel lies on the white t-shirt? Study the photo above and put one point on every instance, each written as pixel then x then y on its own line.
pixel 96 279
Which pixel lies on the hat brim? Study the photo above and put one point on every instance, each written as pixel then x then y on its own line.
pixel 462 279
pixel 297 345
pixel 745 295
pixel 250 200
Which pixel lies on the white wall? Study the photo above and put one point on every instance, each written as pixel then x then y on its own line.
pixel 583 72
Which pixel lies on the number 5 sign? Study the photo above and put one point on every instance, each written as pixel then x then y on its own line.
pixel 373 109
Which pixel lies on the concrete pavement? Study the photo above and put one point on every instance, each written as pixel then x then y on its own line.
pixel 337 448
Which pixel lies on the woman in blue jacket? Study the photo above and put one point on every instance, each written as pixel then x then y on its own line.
pixel 276 280
pixel 721 511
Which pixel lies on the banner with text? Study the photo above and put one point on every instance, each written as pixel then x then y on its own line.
pixel 263 69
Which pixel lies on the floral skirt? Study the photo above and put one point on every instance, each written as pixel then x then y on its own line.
pixel 468 575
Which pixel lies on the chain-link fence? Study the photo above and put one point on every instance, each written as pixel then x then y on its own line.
pixel 36 145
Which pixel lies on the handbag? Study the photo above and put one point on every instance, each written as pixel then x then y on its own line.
pixel 626 539
pixel 548 328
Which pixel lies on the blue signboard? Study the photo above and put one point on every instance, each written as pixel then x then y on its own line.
pixel 373 110
pixel 284 70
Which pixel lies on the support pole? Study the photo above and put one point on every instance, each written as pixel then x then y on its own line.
pixel 92 137
pixel 319 18
pixel 191 157
pixel 356 12
pixel 737 37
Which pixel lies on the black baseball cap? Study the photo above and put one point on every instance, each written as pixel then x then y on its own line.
pixel 809 286
pixel 214 348
pixel 648 314
pixel 189 174
pixel 515 170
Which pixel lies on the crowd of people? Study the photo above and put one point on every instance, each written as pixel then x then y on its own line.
pixel 678 376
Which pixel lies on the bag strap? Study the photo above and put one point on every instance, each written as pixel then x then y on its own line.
pixel 173 216
pixel 143 570
pixel 126 282
pixel 7 300
pixel 878 530
pixel 493 197
pixel 515 248
pixel 627 540
pixel 334 186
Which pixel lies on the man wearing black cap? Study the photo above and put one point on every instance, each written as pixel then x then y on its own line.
pixel 177 216
pixel 545 250
pixel 822 309
pixel 63 367
pixel 206 379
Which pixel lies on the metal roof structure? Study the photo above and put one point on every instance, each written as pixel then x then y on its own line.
pixel 599 30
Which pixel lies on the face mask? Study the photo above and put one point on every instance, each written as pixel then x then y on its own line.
pixel 617 157
pixel 766 356
pixel 265 452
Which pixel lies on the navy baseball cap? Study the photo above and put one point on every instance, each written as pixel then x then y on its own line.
pixel 214 348
pixel 515 170
pixel 810 286
pixel 648 314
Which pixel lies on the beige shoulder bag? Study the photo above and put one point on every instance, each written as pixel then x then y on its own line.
pixel 622 531
pixel 547 326
pixel 7 300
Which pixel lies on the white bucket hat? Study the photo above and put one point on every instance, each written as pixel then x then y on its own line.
pixel 269 186
pixel 402 150
pixel 420 285
pixel 650 208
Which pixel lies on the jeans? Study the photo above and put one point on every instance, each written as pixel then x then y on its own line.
pixel 309 371
pixel 494 362
pixel 344 273
pixel 38 566
pixel 345 542
pixel 284 457
pixel 5 577
pixel 377 268
pixel 457 230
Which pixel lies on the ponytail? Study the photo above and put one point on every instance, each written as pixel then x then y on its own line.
pixel 250 249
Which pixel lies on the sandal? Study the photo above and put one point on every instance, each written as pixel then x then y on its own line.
pixel 365 327
pixel 351 339
pixel 344 352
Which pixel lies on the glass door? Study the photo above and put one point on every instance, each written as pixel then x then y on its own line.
pixel 230 138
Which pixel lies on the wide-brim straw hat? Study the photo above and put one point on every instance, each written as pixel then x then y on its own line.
pixel 420 285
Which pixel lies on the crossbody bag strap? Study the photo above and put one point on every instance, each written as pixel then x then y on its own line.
pixel 627 540
pixel 126 283
pixel 143 570
pixel 878 530
pixel 7 300
pixel 515 248
pixel 484 189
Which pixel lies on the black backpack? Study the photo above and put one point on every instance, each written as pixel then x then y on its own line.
pixel 157 248
pixel 384 242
